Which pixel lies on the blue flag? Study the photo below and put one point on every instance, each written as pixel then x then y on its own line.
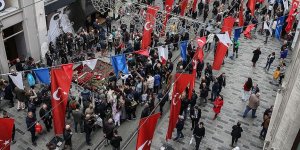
pixel 237 33
pixel 42 75
pixel 183 47
pixel 119 64
pixel 280 23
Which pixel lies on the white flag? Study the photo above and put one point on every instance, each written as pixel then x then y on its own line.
pixel 286 5
pixel 90 63
pixel 17 80
pixel 163 53
pixel 224 38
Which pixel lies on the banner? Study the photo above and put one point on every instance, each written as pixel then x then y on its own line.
pixel 17 80
pixel 146 131
pixel 148 27
pixel 119 64
pixel 6 129
pixel 163 54
pixel 195 5
pixel 280 22
pixel 219 57
pixel 237 33
pixel 183 5
pixel 241 14
pixel 43 75
pixel 291 18
pixel 247 32
pixel 168 4
pixel 143 52
pixel 90 63
pixel 181 82
pixel 60 87
pixel 183 47
pixel 228 23
pixel 251 6
pixel 201 41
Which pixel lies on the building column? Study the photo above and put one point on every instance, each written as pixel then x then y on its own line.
pixel 3 58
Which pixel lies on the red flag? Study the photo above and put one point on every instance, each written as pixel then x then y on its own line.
pixel 291 16
pixel 247 33
pixel 60 85
pixel 148 27
pixel 183 7
pixel 251 6
pixel 219 57
pixel 169 4
pixel 146 131
pixel 241 15
pixel 144 52
pixel 228 24
pixel 201 41
pixel 200 55
pixel 194 5
pixel 261 1
pixel 181 82
pixel 6 129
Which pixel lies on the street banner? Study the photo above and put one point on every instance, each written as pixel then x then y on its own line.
pixel 146 131
pixel 280 23
pixel 241 14
pixel 183 5
pixel 163 54
pixel 60 85
pixel 119 64
pixel 148 27
pixel 251 6
pixel 43 75
pixel 291 17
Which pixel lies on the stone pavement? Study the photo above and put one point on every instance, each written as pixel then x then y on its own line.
pixel 237 71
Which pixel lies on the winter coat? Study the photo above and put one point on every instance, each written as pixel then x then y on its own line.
pixel 218 103
pixel 256 54
pixel 253 101
pixel 236 131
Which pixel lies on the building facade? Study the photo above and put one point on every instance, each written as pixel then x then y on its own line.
pixel 23 29
pixel 283 132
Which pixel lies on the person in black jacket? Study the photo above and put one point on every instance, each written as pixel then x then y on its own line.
pixel 184 106
pixel 116 141
pixel 215 90
pixel 236 133
pixel 179 127
pixel 204 93
pixel 195 114
pixel 222 81
pixel 68 137
pixel 199 133
pixel 200 7
pixel 146 111
pixel 30 122
pixel 8 95
pixel 193 99
pixel 45 115
pixel 163 98
pixel 88 127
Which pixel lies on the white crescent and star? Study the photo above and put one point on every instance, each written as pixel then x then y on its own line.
pixel 173 101
pixel 144 144
pixel 195 64
pixel 148 26
pixel 54 95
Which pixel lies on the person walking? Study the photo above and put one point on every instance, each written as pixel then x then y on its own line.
pixel 199 133
pixel 246 89
pixel 195 114
pixel 255 57
pixel 222 82
pixel 116 141
pixel 179 127
pixel 8 93
pixel 265 126
pixel 252 105
pixel 255 89
pixel 68 137
pixel 146 111
pixel 88 127
pixel 236 133
pixel 45 115
pixel 270 60
pixel 108 129
pixel 214 90
pixel 218 104
pixel 282 72
pixel 276 75
pixel 204 93
pixel 31 122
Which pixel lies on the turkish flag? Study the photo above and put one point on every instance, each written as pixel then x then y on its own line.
pixel 201 41
pixel 148 27
pixel 291 17
pixel 228 25
pixel 60 85
pixel 183 5
pixel 169 4
pixel 251 6
pixel 181 82
pixel 219 57
pixel 146 131
pixel 241 15
pixel 247 33
pixel 144 52
pixel 195 5
pixel 6 129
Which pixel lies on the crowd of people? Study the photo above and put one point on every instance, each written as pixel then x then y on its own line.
pixel 149 80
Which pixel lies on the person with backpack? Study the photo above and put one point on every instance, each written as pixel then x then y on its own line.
pixel 236 133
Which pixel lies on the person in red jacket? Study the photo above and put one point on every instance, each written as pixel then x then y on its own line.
pixel 218 103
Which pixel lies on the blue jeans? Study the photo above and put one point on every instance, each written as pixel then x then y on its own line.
pixel 247 110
